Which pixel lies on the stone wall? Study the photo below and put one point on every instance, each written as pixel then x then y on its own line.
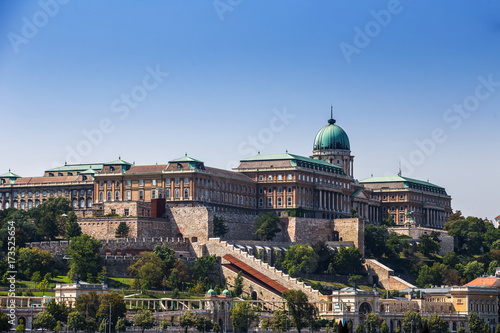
pixel 306 230
pixel 351 230
pixel 195 223
pixel 447 242
pixel 105 227
pixel 384 276
pixel 240 226
pixel 135 208
pixel 125 245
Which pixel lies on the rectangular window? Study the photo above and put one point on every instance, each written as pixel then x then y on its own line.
pixel 89 192
pixel 168 182
pixel 153 194
pixel 289 176
pixel 280 203
pixel 141 195
pixel 270 177
pixel 37 193
pixel 109 183
pixel 153 182
pixel 82 192
pixel 75 192
pixel 289 201
pixel 113 211
pixel 176 181
pixel 129 195
pixel 280 189
pixel 280 177
pixel 126 212
pixel 186 181
pixel 101 184
pixel 261 177
pixel 141 182
pixel 129 183
pixel 401 197
pixel 15 194
pixel 269 202
pixel 22 194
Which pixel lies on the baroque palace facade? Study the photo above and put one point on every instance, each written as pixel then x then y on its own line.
pixel 320 186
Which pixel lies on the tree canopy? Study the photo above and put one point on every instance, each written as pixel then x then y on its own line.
pixel 267 226
pixel 85 260
pixel 301 311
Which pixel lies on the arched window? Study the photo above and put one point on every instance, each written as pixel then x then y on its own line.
pixel 117 195
pixel 168 194
pixel 177 193
pixel 186 193
pixel 82 203
pixel 15 204
pixel 75 203
pixel 108 196
pixel 22 204
pixel 101 196
pixel 7 205
pixel 89 202
pixel 37 203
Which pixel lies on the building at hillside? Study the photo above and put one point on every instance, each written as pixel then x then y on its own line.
pixel 429 204
pixel 320 186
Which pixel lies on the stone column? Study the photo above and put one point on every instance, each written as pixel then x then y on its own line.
pixel 320 199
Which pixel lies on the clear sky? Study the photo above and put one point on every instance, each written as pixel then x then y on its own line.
pixel 411 82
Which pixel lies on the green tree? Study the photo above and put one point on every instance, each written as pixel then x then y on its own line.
pixel 43 286
pixel 58 327
pixel 267 226
pixel 220 228
pixel 144 319
pixel 461 329
pixel 411 321
pixel 471 270
pixel 84 256
pixel 238 284
pixel 203 324
pixel 25 230
pixel 36 277
pixel 72 227
pixel 375 240
pixel 324 256
pixel 121 325
pixel 280 321
pixel 88 304
pixel 4 322
pixel 173 279
pixel 437 324
pixel 301 311
pixel 167 255
pixel 475 323
pixel 204 269
pixel 359 328
pixel 348 260
pixel 147 271
pixel 242 316
pixel 388 221
pixel 122 230
pixel 451 259
pixel 45 321
pixel 372 322
pixel 354 280
pixel 46 216
pixel 21 328
pixel 58 310
pixel 429 244
pixel 76 321
pixel 114 302
pixel 34 260
pixel 299 259
pixel 187 320
pixel 384 328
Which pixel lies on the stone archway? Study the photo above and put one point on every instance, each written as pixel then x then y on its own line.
pixel 365 308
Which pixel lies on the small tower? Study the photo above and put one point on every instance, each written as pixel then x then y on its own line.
pixel 331 144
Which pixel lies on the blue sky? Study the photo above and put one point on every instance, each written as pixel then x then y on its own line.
pixel 87 81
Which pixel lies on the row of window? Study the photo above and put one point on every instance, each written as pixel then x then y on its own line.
pixel 30 204
pixel 44 193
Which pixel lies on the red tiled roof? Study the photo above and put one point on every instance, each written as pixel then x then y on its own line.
pixel 157 168
pixel 253 275
pixel 497 218
pixel 45 180
pixel 485 281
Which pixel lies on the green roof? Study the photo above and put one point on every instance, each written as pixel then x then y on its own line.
pixel 394 179
pixel 119 161
pixel 88 171
pixel 185 159
pixel 356 193
pixel 76 167
pixel 331 136
pixel 287 156
pixel 10 175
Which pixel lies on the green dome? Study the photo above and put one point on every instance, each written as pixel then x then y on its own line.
pixel 226 293
pixel 211 292
pixel 331 137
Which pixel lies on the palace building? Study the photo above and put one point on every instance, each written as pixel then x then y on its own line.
pixel 319 186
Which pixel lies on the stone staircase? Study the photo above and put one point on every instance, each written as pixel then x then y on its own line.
pixel 219 248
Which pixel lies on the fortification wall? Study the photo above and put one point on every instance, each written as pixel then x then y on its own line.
pixel 195 223
pixel 307 230
pixel 351 230
pixel 240 226
pixel 447 242
pixel 384 276
pixel 105 227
